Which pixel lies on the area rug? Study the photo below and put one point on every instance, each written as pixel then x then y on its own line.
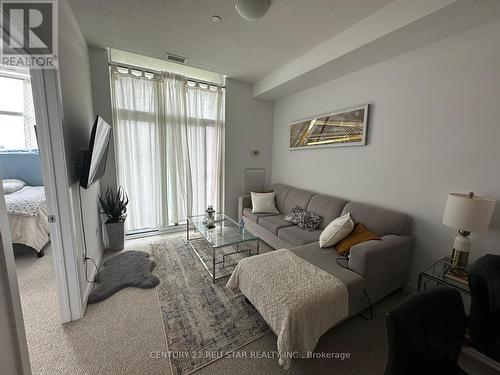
pixel 127 269
pixel 203 321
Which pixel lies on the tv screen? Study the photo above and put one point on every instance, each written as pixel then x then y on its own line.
pixel 94 163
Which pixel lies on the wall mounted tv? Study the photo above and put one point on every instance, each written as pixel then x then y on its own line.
pixel 94 163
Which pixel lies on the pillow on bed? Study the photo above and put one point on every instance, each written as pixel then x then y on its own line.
pixel 336 231
pixel 360 234
pixel 12 185
pixel 263 203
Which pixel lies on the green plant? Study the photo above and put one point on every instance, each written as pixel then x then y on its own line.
pixel 114 206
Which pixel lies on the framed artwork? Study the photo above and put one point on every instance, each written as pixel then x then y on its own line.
pixel 346 127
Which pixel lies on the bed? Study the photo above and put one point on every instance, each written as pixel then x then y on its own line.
pixel 21 172
pixel 27 212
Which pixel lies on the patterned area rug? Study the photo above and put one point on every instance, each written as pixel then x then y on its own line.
pixel 203 321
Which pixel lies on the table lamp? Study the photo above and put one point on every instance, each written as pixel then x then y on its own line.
pixel 467 213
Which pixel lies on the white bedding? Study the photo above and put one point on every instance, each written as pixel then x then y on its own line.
pixel 299 301
pixel 28 218
pixel 28 201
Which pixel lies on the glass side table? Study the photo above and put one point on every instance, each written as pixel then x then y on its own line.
pixel 437 274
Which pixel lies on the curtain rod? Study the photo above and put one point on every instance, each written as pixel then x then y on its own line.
pixel 153 71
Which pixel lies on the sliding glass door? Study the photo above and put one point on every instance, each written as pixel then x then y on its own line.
pixel 169 144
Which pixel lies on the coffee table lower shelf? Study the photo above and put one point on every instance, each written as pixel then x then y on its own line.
pixel 214 261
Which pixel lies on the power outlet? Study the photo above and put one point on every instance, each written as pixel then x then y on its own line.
pixel 74 169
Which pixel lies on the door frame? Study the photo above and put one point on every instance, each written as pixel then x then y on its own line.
pixel 15 314
pixel 48 113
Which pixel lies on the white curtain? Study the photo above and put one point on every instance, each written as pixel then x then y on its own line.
pixel 169 141
pixel 29 116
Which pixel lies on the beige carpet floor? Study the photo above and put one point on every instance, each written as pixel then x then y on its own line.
pixel 115 336
pixel 121 334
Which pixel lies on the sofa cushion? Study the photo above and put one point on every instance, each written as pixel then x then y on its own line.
pixel 336 231
pixel 297 236
pixel 282 191
pixel 274 223
pixel 380 220
pixel 297 197
pixel 326 206
pixel 359 235
pixel 263 203
pixel 307 220
pixel 247 212
pixel 326 260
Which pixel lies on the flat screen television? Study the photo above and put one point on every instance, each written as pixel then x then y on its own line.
pixel 94 163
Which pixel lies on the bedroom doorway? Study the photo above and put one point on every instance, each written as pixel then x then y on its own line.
pixel 29 184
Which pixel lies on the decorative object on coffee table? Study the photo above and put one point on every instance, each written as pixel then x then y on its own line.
pixel 210 217
pixel 467 213
pixel 114 206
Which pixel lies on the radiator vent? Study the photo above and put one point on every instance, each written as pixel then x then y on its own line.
pixel 175 58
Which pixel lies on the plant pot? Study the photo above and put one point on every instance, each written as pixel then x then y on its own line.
pixel 116 235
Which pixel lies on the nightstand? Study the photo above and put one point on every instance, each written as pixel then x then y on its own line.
pixel 438 274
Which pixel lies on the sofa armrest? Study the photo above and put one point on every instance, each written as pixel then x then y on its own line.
pixel 384 263
pixel 244 201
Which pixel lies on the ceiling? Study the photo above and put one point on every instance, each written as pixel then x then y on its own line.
pixel 243 50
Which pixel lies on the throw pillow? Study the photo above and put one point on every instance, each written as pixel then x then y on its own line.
pixel 337 230
pixel 306 220
pixel 12 185
pixel 360 234
pixel 263 203
pixel 293 216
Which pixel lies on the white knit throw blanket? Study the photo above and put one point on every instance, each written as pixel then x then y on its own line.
pixel 299 301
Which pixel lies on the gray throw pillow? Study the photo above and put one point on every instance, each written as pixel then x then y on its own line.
pixel 306 220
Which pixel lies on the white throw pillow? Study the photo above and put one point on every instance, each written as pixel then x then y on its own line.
pixel 263 203
pixel 12 185
pixel 336 231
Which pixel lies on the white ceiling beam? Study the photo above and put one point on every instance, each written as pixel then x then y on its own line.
pixel 395 29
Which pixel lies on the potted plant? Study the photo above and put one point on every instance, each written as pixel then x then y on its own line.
pixel 114 206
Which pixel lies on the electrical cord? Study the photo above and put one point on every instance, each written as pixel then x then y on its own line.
pixel 370 306
pixel 85 257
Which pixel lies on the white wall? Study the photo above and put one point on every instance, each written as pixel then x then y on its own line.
pixel 248 127
pixel 434 129
pixel 101 92
pixel 78 118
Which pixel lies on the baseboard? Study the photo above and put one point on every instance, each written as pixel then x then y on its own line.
pixel 477 362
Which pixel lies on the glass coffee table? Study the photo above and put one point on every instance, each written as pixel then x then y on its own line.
pixel 226 233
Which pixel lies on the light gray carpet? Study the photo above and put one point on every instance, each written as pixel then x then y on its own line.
pixel 202 320
pixel 116 336
pixel 120 334
pixel 127 269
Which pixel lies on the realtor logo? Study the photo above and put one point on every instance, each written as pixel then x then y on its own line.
pixel 29 33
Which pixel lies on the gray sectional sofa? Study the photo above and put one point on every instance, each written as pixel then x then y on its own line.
pixel 375 267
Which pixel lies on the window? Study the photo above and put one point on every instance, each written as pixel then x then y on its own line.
pixel 168 146
pixel 17 120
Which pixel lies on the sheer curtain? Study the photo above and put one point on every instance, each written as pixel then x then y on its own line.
pixel 137 144
pixel 169 142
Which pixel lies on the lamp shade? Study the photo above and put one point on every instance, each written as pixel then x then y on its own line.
pixel 468 212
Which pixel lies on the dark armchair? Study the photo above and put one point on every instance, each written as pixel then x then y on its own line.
pixel 484 322
pixel 426 333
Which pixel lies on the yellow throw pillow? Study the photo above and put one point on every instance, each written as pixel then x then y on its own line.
pixel 358 235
